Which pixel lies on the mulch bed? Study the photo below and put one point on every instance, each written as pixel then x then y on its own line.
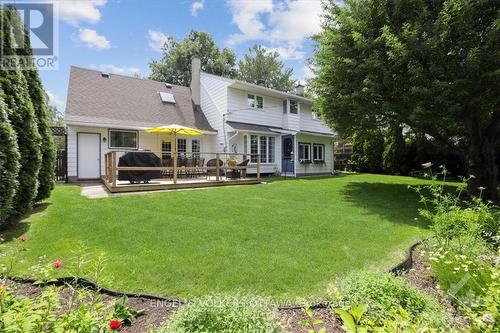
pixel 156 311
pixel 290 320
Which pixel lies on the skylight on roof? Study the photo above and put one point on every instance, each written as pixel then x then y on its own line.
pixel 167 97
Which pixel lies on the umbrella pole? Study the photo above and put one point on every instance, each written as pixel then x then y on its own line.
pixel 175 158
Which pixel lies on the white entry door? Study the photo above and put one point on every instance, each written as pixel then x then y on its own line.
pixel 89 159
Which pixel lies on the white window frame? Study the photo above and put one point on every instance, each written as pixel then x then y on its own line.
pixel 197 153
pixel 110 146
pixel 264 159
pixel 322 146
pixel 255 103
pixel 305 158
pixel 290 106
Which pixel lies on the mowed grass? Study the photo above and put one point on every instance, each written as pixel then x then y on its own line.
pixel 284 239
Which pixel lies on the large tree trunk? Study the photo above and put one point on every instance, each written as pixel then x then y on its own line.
pixel 482 164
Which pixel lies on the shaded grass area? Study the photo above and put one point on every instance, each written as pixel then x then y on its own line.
pixel 284 239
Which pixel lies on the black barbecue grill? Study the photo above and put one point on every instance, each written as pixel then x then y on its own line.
pixel 139 159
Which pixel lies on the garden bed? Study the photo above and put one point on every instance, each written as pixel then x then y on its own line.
pixel 157 311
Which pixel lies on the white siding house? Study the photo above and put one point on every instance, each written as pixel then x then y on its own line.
pixel 110 113
pixel 254 119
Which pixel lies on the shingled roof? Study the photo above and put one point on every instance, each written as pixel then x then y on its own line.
pixel 118 100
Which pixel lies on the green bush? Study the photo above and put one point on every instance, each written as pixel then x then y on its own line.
pixel 464 275
pixel 9 163
pixel 367 150
pixel 23 120
pixel 37 95
pixel 383 293
pixel 486 315
pixel 223 315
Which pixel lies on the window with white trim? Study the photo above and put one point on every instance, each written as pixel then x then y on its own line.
pixel 294 107
pixel 245 145
pixel 265 146
pixel 263 149
pixel 182 146
pixel 304 151
pixel 166 149
pixel 255 102
pixel 123 139
pixel 270 152
pixel 195 147
pixel 254 148
pixel 318 152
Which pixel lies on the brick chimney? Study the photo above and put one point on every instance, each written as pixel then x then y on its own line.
pixel 195 79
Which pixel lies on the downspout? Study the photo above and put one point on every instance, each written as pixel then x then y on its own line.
pixel 232 137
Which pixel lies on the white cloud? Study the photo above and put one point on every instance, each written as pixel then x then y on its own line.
pixel 157 39
pixel 288 52
pixel 75 12
pixel 296 20
pixel 284 24
pixel 196 7
pixel 55 101
pixel 247 15
pixel 110 68
pixel 93 40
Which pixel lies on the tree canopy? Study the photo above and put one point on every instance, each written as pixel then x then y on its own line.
pixel 428 66
pixel 262 66
pixel 175 66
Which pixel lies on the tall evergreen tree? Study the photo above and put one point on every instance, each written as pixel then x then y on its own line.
pixel 9 164
pixel 40 105
pixel 23 120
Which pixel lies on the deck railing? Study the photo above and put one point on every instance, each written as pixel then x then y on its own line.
pixel 179 167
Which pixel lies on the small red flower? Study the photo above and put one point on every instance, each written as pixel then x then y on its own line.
pixel 57 264
pixel 115 324
pixel 23 238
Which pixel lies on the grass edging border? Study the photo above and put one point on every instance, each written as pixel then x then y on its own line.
pixel 397 270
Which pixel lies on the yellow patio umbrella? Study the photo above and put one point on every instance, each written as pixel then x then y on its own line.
pixel 175 129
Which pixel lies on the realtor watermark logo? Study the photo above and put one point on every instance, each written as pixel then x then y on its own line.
pixel 36 20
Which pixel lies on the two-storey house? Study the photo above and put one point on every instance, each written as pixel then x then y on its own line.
pixel 106 112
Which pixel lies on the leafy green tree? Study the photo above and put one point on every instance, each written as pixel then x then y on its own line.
pixel 9 164
pixel 46 174
pixel 262 66
pixel 367 150
pixel 55 117
pixel 22 117
pixel 429 65
pixel 175 66
pixel 394 151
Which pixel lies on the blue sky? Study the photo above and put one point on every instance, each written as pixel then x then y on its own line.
pixel 122 36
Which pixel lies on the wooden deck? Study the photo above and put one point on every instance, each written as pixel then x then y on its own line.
pixel 168 184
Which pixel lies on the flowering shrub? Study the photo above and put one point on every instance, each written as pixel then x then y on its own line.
pixel 464 252
pixel 80 310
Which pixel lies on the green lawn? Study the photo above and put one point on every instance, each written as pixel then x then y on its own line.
pixel 283 239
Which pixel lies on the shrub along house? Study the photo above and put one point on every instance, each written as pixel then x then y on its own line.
pixel 272 129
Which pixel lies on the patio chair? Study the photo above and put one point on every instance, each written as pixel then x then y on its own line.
pixel 213 172
pixel 200 162
pixel 168 162
pixel 239 173
pixel 190 163
pixel 181 161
